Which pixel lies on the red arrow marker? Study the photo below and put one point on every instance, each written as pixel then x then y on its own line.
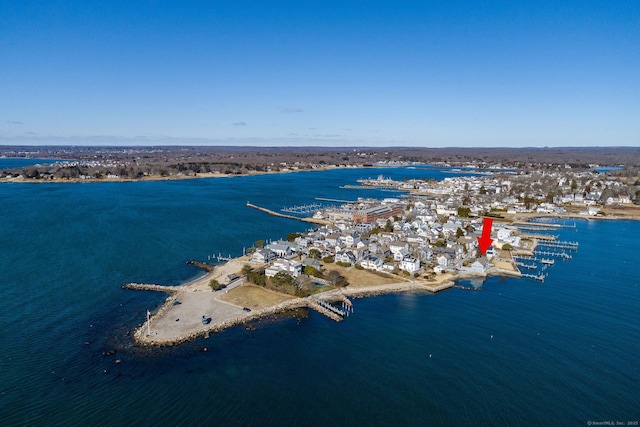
pixel 485 241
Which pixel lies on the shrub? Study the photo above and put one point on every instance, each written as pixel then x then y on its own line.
pixel 215 285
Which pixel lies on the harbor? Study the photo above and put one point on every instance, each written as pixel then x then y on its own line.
pixel 544 256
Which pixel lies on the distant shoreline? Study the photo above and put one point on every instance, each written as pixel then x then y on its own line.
pixel 168 177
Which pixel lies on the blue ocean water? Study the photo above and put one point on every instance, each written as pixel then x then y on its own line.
pixel 20 162
pixel 518 352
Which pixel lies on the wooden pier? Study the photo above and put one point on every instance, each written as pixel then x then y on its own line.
pixel 321 307
pixel 563 255
pixel 539 277
pixel 527 266
pixel 560 245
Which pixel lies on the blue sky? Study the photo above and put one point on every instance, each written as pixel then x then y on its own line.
pixel 366 73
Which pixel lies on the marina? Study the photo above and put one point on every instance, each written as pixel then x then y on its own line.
pixel 303 209
pixel 560 245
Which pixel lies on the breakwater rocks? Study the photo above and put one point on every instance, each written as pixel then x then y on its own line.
pixel 314 302
pixel 152 287
pixel 141 338
pixel 202 265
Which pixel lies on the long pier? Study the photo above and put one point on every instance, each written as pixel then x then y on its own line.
pixel 322 308
pixel 537 224
pixel 547 237
pixel 539 277
pixel 323 199
pixel 270 212
pixel 528 266
pixel 563 255
pixel 152 287
pixel 560 245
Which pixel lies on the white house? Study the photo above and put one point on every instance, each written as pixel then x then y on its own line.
pixel 399 250
pixel 346 256
pixel 263 255
pixel 293 268
pixel 372 263
pixel 505 235
pixel 443 261
pixel 410 264
pixel 281 248
pixel 351 240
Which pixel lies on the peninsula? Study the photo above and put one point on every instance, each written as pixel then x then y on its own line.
pixel 424 241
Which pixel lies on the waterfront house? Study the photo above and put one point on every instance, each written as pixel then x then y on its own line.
pixel 291 267
pixel 372 263
pixel 443 260
pixel 410 264
pixel 263 255
pixel 281 248
pixel 479 265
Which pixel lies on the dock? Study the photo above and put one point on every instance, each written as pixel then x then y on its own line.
pixel 539 277
pixel 527 266
pixel 560 245
pixel 562 255
pixel 541 237
pixel 303 209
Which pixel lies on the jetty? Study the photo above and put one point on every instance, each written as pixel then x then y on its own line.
pixel 278 214
pixel 202 265
pixel 323 199
pixel 153 287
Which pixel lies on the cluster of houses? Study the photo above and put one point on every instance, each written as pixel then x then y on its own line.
pixel 415 243
pixel 427 232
